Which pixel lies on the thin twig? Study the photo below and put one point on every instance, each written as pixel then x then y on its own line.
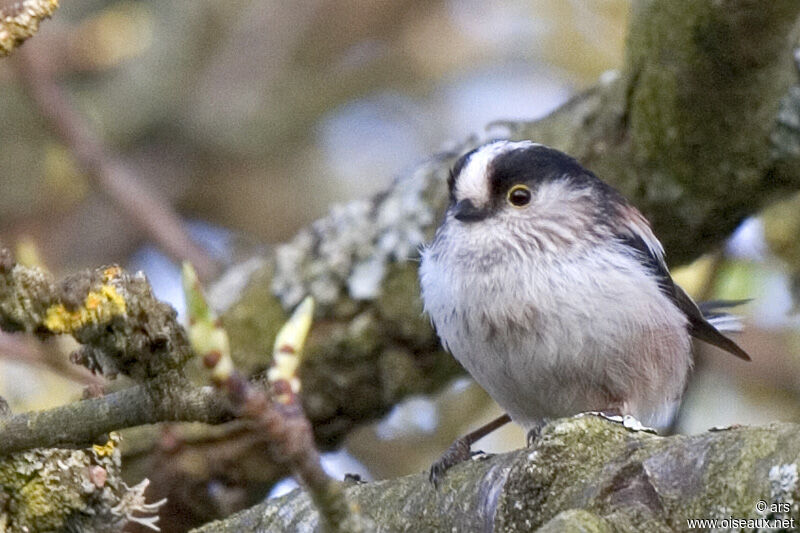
pixel 167 398
pixel 290 438
pixel 144 207
pixel 276 414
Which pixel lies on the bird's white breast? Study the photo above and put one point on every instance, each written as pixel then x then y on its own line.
pixel 556 334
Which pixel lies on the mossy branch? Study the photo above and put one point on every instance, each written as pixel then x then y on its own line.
pixel 583 474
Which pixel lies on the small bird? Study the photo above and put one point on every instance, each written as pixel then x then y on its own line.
pixel 552 291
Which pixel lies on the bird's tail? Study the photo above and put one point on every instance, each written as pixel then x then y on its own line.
pixel 724 322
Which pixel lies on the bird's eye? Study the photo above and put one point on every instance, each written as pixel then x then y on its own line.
pixel 519 196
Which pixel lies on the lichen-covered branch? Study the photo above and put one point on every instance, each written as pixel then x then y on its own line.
pixel 20 21
pixel 124 329
pixel 583 474
pixel 121 326
pixel 71 490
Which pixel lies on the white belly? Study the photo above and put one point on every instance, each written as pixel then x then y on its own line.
pixel 548 340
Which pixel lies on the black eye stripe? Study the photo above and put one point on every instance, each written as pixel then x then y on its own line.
pixel 532 165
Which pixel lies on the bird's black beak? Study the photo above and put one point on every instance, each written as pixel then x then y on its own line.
pixel 465 211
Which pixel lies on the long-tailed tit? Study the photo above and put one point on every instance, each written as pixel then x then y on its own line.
pixel 552 291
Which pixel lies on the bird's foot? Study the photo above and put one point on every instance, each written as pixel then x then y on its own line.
pixel 458 452
pixel 535 432
pixel 628 421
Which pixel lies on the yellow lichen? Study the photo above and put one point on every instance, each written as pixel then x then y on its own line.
pixel 111 273
pixel 100 306
pixel 107 449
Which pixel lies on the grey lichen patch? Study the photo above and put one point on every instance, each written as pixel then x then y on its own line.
pixel 348 251
pixel 784 495
pixel 68 490
pixel 783 483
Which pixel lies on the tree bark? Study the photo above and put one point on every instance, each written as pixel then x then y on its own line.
pixel 583 474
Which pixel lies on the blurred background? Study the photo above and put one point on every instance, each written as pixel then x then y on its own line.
pixel 248 119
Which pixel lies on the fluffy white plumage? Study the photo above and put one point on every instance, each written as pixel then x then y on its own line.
pixel 551 312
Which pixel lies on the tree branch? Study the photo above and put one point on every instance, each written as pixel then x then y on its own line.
pixel 277 415
pixel 135 200
pixel 164 399
pixel 582 474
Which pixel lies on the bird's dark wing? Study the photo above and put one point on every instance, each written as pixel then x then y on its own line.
pixel 640 240
pixel 701 328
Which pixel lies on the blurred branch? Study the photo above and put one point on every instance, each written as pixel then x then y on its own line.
pixel 25 350
pixel 141 205
pixel 20 21
pixel 583 474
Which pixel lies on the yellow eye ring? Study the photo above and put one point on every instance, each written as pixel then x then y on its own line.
pixel 519 195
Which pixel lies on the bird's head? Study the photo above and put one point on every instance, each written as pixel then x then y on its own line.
pixel 526 195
